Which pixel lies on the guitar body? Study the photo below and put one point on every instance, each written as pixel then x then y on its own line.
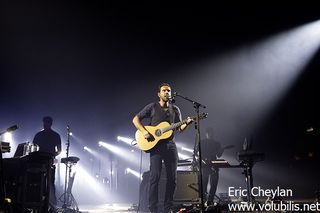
pixel 162 131
pixel 156 132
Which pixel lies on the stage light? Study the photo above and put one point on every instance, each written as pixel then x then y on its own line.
pixel 187 149
pixel 7 137
pixel 91 151
pixel 249 82
pixel 86 183
pixel 120 152
pixel 123 153
pixel 111 147
pixel 310 129
pixel 129 141
pixel 133 172
pixel 182 156
pixel 86 148
pixel 126 171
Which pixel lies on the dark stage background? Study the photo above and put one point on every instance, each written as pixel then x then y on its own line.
pixel 93 65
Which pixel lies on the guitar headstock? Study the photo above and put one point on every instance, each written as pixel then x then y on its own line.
pixel 203 115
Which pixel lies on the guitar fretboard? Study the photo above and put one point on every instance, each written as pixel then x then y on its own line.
pixel 176 125
pixel 173 126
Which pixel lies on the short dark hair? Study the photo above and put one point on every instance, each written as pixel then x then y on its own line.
pixel 47 119
pixel 163 84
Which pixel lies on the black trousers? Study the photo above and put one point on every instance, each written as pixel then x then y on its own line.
pixel 165 151
pixel 52 194
pixel 211 175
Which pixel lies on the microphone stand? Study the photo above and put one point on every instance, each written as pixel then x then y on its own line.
pixel 68 199
pixel 66 173
pixel 196 106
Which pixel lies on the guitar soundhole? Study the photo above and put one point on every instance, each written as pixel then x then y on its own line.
pixel 158 133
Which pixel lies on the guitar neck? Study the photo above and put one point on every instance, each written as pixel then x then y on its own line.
pixel 174 126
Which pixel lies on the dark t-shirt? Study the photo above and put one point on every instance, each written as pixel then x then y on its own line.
pixel 211 149
pixel 48 140
pixel 158 114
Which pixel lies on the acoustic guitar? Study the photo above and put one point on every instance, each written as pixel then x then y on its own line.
pixel 157 133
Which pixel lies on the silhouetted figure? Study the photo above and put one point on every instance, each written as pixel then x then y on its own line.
pixel 49 141
pixel 211 150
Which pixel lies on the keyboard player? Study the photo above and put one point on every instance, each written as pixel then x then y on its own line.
pixel 210 151
pixel 49 141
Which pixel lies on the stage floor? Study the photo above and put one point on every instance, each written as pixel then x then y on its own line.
pixel 107 208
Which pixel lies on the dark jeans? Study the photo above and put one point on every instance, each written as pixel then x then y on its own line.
pixel 166 151
pixel 52 194
pixel 213 176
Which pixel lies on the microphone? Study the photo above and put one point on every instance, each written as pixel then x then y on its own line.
pixel 12 128
pixel 69 133
pixel 68 130
pixel 170 98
